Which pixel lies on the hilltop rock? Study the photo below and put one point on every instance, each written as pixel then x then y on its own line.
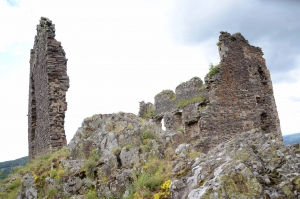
pixel 252 165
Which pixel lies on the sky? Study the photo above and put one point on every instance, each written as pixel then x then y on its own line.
pixel 122 52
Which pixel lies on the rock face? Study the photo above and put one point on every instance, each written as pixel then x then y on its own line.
pixel 48 83
pixel 124 156
pixel 28 190
pixel 252 165
pixel 237 97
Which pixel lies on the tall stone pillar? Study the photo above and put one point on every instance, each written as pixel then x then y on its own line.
pixel 48 84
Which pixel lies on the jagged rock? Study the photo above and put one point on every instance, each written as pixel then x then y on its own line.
pixel 252 165
pixel 28 190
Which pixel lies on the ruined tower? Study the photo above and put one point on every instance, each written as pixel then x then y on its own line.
pixel 237 97
pixel 48 84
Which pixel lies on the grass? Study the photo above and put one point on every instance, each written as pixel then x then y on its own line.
pixel 172 97
pixel 150 112
pixel 185 102
pixel 129 126
pixel 51 192
pixel 201 88
pixel 12 190
pixel 167 91
pixel 147 134
pixel 155 172
pixel 90 164
pixel 91 195
pixel 40 168
pixel 213 69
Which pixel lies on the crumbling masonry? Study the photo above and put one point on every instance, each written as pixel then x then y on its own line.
pixel 237 96
pixel 48 83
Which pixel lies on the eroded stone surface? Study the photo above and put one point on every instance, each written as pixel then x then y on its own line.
pixel 251 165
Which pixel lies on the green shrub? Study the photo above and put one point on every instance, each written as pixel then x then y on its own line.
pixel 167 91
pixel 15 184
pixel 191 100
pixel 213 69
pixel 149 112
pixel 147 134
pixel 89 166
pixel 151 182
pixel 91 195
pixel 128 146
pixel 172 97
pixel 129 126
pixel 51 192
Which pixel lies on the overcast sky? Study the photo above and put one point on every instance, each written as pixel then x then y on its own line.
pixel 122 52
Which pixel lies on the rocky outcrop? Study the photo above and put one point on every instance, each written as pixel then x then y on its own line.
pixel 28 190
pixel 48 85
pixel 252 165
pixel 121 155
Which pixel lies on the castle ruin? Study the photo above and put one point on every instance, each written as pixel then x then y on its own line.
pixel 237 96
pixel 48 83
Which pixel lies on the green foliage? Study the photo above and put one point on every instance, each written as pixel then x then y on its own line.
pixel 128 146
pixel 43 164
pixel 147 134
pixel 51 192
pixel 180 130
pixel 150 112
pixel 129 126
pixel 8 166
pixel 154 173
pixel 91 163
pixel 114 127
pixel 13 189
pixel 172 97
pixel 167 91
pixel 151 182
pixel 15 184
pixel 91 195
pixel 116 150
pixel 191 100
pixel 201 88
pixel 213 69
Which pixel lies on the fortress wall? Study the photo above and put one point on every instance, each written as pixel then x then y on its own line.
pixel 240 95
pixel 47 94
pixel 188 89
pixel 236 98
pixel 163 102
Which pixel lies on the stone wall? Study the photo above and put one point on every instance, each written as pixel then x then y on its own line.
pixel 47 92
pixel 240 94
pixel 237 97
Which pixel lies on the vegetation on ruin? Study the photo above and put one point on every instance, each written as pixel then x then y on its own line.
pixel 153 180
pixel 167 91
pixel 213 69
pixel 194 99
pixel 172 97
pixel 191 80
pixel 150 112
